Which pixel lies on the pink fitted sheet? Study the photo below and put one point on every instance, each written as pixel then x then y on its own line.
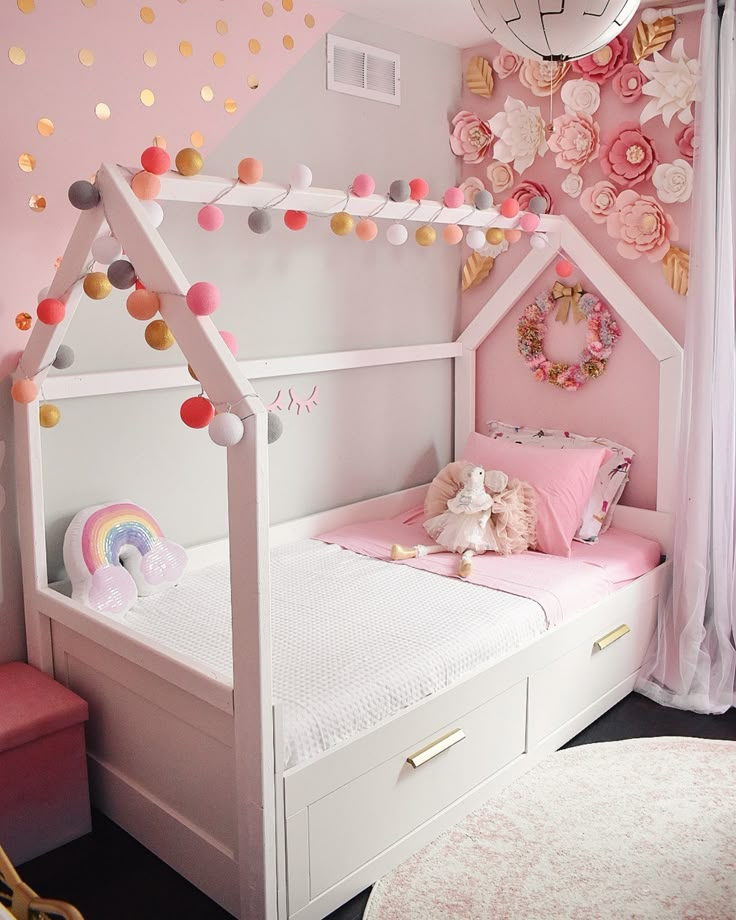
pixel 562 587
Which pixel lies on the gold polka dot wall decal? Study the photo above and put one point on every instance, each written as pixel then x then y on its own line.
pixel 17 55
pixel 88 3
pixel 102 111
pixel 207 93
pixel 37 203
pixel 159 141
pixel 267 9
pixel 231 106
pixel 252 81
pixel 288 5
pixel 45 127
pixel 147 97
pixel 26 6
pixel 27 162
pixel 196 138
pixel 254 46
pixel 218 59
pixel 309 21
pixel 147 15
pixel 288 42
pixel 86 57
pixel 221 27
pixel 24 321
pixel 185 49
pixel 150 58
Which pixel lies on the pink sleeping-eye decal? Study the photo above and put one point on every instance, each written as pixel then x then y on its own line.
pixel 276 404
pixel 308 403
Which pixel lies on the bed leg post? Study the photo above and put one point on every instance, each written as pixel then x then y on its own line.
pixel 464 399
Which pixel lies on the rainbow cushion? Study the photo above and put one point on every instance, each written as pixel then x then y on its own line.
pixel 115 553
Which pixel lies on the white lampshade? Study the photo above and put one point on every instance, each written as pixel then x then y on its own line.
pixel 554 31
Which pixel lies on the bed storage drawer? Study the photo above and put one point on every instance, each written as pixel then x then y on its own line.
pixel 356 822
pixel 612 653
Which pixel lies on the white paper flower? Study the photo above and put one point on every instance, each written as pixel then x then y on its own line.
pixel 572 184
pixel 581 96
pixel 673 85
pixel 491 250
pixel 673 181
pixel 519 132
pixel 470 188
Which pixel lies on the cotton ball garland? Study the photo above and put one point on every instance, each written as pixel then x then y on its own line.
pixel 155 160
pixel 51 311
pixel 537 241
pixel 96 285
pixel 203 298
pixel 143 304
pixel 453 198
pixel 49 415
pixel 366 230
pixel 196 412
pixel 210 217
pixel 513 235
pixel 83 195
pixel 275 427
pixel 529 222
pixel 418 189
pixel 225 429
pixel 425 235
pixel 145 185
pixel 476 238
pixel 399 190
pixel 121 274
pixel 24 391
pixel 158 335
pixel 64 357
pixel 483 200
pixel 397 234
pixel 452 234
pixel 494 236
pixel 564 268
pixel 189 161
pixel 154 212
pixel 229 339
pixel 363 185
pixel 259 221
pixel 106 249
pixel 295 220
pixel 250 170
pixel 538 204
pixel 341 223
pixel 301 177
pixel 510 207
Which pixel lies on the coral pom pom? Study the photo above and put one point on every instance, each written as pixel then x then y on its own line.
pixel 146 186
pixel 564 268
pixel 51 311
pixel 24 391
pixel 418 189
pixel 295 220
pixel 143 304
pixel 452 234
pixel 197 412
pixel 250 170
pixel 155 160
pixel 366 230
pixel 510 207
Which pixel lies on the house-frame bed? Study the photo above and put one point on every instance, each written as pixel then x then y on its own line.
pixel 193 766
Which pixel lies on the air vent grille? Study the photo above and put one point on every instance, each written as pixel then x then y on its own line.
pixel 362 70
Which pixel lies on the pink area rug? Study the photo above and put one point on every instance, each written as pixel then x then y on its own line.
pixel 641 829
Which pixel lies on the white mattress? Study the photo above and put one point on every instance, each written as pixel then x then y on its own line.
pixel 355 639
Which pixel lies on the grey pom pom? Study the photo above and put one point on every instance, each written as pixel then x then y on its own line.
pixel 538 204
pixel 259 221
pixel 399 190
pixel 83 195
pixel 121 274
pixel 64 357
pixel 483 200
pixel 275 427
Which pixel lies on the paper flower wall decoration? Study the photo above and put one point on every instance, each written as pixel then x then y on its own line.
pixel 629 157
pixel 641 227
pixel 598 200
pixel 604 63
pixel 572 185
pixel 673 86
pixel 506 63
pixel 542 78
pixel 501 176
pixel 526 191
pixel 519 132
pixel 582 96
pixel 673 181
pixel 575 140
pixel 471 137
pixel 685 140
pixel 470 188
pixel 628 83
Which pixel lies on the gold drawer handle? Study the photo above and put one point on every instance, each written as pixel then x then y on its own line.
pixel 435 748
pixel 611 637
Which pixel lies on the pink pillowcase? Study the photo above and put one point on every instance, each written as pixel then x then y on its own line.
pixel 563 481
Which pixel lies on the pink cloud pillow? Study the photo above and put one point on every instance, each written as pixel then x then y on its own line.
pixel 563 481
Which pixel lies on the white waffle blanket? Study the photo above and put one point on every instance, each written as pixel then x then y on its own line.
pixel 355 639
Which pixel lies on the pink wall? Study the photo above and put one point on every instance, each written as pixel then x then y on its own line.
pixel 623 403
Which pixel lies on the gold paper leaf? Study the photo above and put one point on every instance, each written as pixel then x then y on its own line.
pixel 676 268
pixel 479 77
pixel 652 36
pixel 476 269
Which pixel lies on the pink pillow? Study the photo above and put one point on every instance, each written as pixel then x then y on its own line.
pixel 563 481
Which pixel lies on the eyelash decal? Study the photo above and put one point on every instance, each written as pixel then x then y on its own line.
pixel 276 404
pixel 311 400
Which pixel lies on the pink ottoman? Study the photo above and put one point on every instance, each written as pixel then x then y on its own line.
pixel 44 798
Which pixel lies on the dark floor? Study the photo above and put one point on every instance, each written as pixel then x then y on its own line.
pixel 109 876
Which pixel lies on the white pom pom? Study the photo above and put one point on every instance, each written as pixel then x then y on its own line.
pixel 226 429
pixel 154 211
pixel 301 177
pixel 650 16
pixel 397 234
pixel 106 249
pixel 537 241
pixel 476 238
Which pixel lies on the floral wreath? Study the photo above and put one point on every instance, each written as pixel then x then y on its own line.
pixel 603 332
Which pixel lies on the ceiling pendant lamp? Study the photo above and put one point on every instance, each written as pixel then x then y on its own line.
pixel 554 30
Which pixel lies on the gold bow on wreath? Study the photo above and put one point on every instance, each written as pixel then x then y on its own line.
pixel 569 298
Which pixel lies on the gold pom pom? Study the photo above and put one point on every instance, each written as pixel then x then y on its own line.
pixel 495 236
pixel 425 235
pixel 97 285
pixel 49 415
pixel 158 335
pixel 341 223
pixel 189 161
pixel 191 373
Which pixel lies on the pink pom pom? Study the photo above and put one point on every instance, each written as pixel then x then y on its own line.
pixel 203 298
pixel 564 268
pixel 363 185
pixel 454 198
pixel 366 230
pixel 452 234
pixel 510 207
pixel 529 222
pixel 229 339
pixel 418 189
pixel 210 217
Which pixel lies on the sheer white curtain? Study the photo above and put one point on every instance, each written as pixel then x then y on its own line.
pixel 691 663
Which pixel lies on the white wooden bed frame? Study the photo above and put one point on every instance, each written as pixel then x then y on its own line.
pixel 191 766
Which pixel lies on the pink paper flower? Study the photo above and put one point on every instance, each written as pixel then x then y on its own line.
pixel 641 227
pixel 575 140
pixel 470 188
pixel 501 176
pixel 505 63
pixel 543 78
pixel 685 140
pixel 605 62
pixel 598 200
pixel 526 190
pixel 471 137
pixel 627 83
pixel 629 157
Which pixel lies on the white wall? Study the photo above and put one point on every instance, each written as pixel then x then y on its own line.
pixel 374 430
